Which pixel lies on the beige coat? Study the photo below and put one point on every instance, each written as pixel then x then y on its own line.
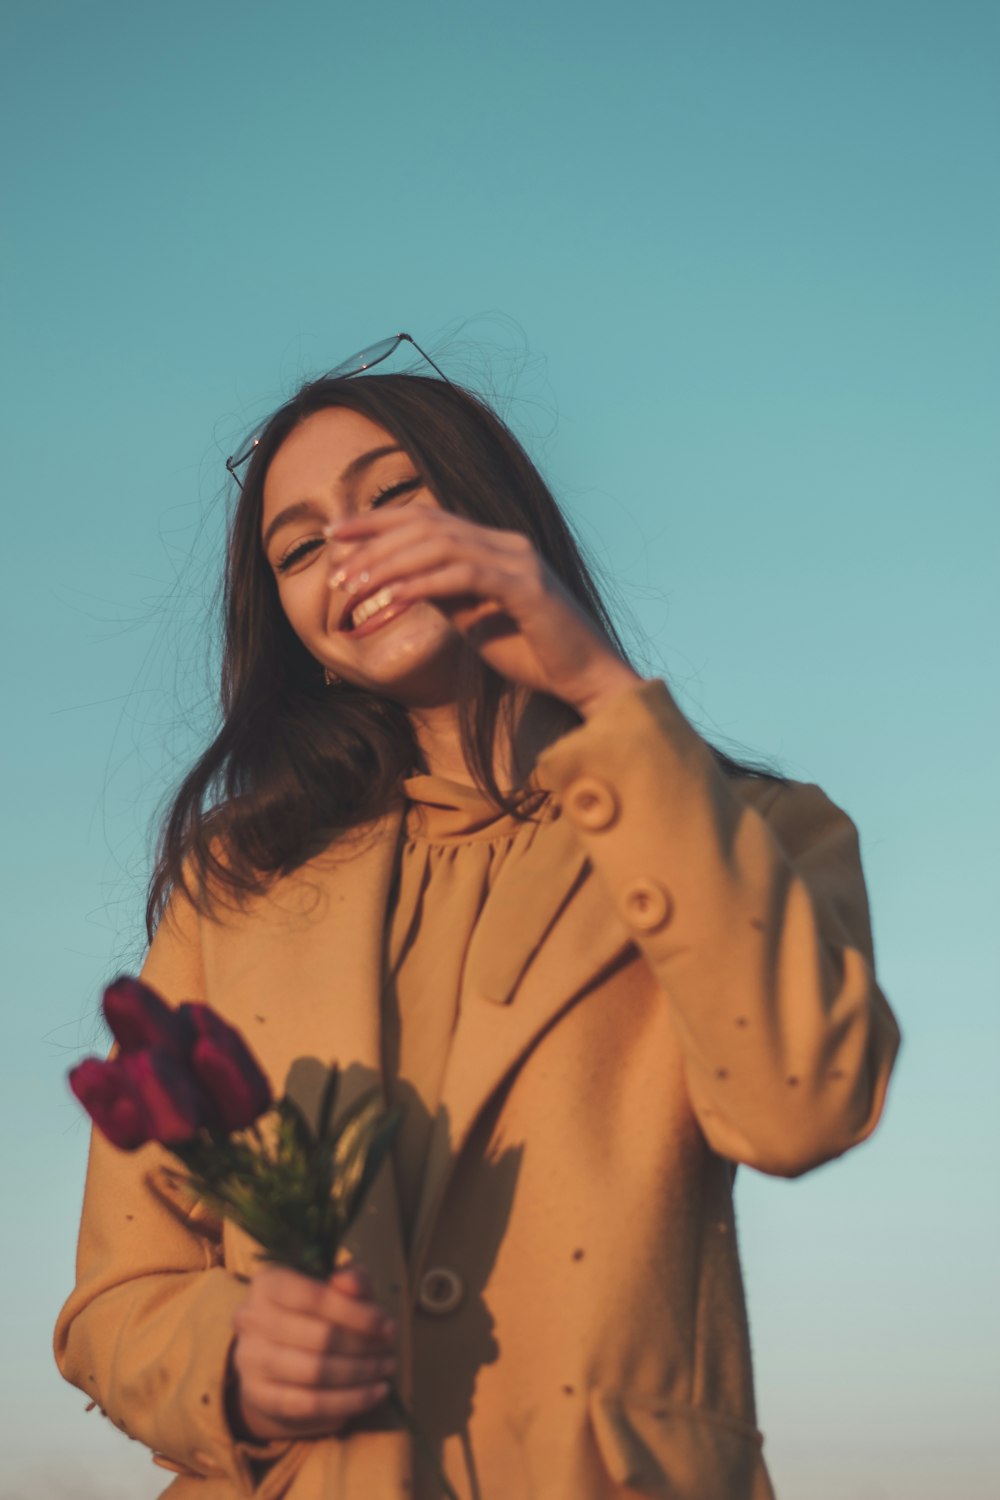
pixel 683 980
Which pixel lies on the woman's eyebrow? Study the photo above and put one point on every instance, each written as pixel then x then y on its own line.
pixel 303 508
pixel 297 512
pixel 365 460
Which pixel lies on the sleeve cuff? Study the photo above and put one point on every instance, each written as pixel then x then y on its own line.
pixel 622 721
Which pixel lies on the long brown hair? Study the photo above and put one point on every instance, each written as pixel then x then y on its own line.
pixel 296 764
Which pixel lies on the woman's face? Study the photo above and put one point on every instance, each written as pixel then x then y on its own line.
pixel 338 463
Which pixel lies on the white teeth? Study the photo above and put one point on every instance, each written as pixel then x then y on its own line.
pixel 371 606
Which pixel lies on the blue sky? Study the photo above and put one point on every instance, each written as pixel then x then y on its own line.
pixel 733 272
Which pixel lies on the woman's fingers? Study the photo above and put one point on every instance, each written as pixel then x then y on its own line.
pixel 315 1336
pixel 492 585
pixel 309 1355
pixel 466 592
pixel 354 1280
pixel 315 1320
pixel 282 1365
pixel 438 565
pixel 303 1411
pixel 307 1313
pixel 473 572
pixel 398 540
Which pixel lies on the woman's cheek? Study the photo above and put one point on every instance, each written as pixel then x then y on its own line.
pixel 303 615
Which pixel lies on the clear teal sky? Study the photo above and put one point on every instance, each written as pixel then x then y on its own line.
pixel 734 271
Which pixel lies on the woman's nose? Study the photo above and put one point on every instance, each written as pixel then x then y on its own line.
pixel 337 554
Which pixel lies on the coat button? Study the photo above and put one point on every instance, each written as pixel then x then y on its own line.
pixel 644 904
pixel 441 1291
pixel 591 803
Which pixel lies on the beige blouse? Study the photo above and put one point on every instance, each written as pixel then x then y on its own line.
pixel 454 844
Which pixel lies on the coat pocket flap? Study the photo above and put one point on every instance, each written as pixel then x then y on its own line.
pixel 677 1451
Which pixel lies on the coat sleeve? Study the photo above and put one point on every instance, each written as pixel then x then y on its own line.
pixel 754 920
pixel 147 1330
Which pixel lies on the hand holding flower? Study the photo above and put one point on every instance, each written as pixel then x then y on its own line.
pixel 311 1348
pixel 308 1355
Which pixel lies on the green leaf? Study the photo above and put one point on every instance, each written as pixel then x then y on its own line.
pixel 361 1145
pixel 379 1144
pixel 362 1106
pixel 294 1122
pixel 297 1196
pixel 311 1261
pixel 327 1102
pixel 351 1132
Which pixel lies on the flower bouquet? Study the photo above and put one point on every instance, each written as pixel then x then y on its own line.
pixel 185 1078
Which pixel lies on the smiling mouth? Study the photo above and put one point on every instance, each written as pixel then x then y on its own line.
pixel 368 608
pixel 375 611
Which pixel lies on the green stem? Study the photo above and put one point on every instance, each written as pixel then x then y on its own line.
pixel 420 1438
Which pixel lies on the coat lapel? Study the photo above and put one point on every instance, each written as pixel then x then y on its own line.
pixel 344 990
pixel 548 931
pixel 314 946
pixel 305 969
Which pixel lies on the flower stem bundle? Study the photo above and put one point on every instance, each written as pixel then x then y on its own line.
pixel 185 1078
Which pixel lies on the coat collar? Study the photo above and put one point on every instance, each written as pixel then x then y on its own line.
pixel 548 931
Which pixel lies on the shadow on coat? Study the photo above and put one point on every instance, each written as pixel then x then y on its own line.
pixel 450 1349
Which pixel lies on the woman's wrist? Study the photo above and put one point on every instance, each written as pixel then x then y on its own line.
pixel 233 1404
pixel 616 678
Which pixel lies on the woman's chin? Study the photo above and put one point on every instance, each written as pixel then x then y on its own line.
pixel 413 660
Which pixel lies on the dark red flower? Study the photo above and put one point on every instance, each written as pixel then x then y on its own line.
pixel 227 1070
pixel 139 1018
pixel 174 1104
pixel 203 1021
pixel 237 1087
pixel 112 1099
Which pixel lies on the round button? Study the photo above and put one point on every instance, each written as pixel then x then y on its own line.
pixel 644 904
pixel 591 803
pixel 441 1291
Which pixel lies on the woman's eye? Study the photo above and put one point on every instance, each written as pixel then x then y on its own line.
pixel 297 553
pixel 381 496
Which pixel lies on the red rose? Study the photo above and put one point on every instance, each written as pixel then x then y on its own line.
pixel 111 1098
pixel 238 1089
pixel 174 1104
pixel 177 1072
pixel 139 1018
pixel 226 1069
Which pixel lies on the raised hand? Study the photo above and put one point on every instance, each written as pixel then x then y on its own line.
pixel 493 587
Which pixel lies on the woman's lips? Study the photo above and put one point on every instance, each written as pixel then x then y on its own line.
pixel 368 602
pixel 390 611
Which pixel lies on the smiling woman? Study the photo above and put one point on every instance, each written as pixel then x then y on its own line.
pixel 441 689
pixel 340 460
pixel 448 836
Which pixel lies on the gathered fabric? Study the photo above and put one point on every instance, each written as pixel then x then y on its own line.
pixel 454 843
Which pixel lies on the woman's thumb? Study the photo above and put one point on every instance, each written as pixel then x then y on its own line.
pixel 353 1280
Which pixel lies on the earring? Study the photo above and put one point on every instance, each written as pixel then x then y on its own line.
pixel 329 677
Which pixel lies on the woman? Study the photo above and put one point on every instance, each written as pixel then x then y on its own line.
pixel 450 837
